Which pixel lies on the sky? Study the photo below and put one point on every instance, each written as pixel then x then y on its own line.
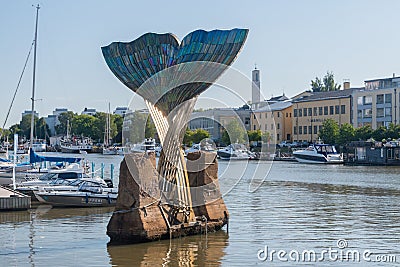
pixel 292 42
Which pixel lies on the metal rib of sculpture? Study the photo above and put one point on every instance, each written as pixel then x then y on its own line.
pixel 170 76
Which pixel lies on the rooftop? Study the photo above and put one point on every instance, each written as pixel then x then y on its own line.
pixel 275 106
pixel 327 95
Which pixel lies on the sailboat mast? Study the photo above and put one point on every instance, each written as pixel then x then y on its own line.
pixel 34 78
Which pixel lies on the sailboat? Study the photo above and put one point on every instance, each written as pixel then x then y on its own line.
pixel 107 148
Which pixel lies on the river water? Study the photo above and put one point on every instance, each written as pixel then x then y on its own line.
pixel 329 210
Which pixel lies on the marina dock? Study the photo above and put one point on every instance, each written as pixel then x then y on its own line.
pixel 13 200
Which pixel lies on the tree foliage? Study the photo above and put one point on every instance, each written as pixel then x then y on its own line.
pixel 195 136
pixel 326 84
pixel 329 132
pixel 234 133
pixel 346 134
pixel 254 135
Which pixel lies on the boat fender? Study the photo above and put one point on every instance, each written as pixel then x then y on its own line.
pixel 108 199
pixel 87 198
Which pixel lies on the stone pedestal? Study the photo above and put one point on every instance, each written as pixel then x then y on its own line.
pixel 139 217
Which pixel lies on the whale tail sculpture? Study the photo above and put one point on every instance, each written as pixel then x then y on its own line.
pixel 170 76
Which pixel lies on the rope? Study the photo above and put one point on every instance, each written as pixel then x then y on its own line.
pixel 137 208
pixel 19 82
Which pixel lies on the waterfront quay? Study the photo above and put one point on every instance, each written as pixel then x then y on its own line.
pixel 296 207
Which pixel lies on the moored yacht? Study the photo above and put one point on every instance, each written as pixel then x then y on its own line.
pixel 235 152
pixel 88 194
pixel 148 145
pixel 319 153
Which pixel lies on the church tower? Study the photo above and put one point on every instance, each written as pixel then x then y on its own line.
pixel 255 85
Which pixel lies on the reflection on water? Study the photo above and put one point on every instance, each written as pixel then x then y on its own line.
pixel 297 207
pixel 188 251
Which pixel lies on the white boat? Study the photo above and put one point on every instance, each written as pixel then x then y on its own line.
pixel 76 146
pixel 88 194
pixel 39 146
pixel 235 152
pixel 319 153
pixel 148 145
pixel 200 147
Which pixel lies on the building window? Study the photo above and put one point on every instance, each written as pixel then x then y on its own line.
pixel 309 111
pixel 359 113
pixel 379 124
pixel 367 100
pixel 367 113
pixel 255 116
pixel 326 110
pixel 290 114
pixel 315 111
pixel 319 127
pixel 380 112
pixel 300 130
pixel 337 109
pixel 305 112
pixel 287 114
pixel 343 109
pixel 320 111
pixel 388 98
pixel 277 137
pixel 360 100
pixel 265 127
pixel 278 126
pixel 294 130
pixel 295 113
pixel 305 129
pixel 315 129
pixel 260 115
pixel 279 114
pixel 300 112
pixel 310 129
pixel 379 99
pixel 272 126
pixel 266 115
pixel 254 127
pixel 330 110
pixel 388 112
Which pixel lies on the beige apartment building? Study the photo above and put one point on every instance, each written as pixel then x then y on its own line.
pixel 310 111
pixel 377 104
pixel 276 119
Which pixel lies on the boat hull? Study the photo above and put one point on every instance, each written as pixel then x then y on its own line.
pixel 77 149
pixel 314 159
pixel 77 200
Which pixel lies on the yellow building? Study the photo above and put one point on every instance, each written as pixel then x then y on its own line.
pixel 310 111
pixel 276 119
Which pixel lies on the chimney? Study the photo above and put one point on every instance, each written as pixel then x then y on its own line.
pixel 346 84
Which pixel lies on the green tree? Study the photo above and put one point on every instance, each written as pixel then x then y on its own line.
pixel 254 135
pixel 199 134
pixel 327 84
pixel 380 133
pixel 317 85
pixel 393 131
pixel 363 133
pixel 118 121
pixel 150 130
pixel 346 134
pixel 42 129
pixel 187 138
pixel 25 126
pixel 234 132
pixel 84 125
pixel 329 132
pixel 64 118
